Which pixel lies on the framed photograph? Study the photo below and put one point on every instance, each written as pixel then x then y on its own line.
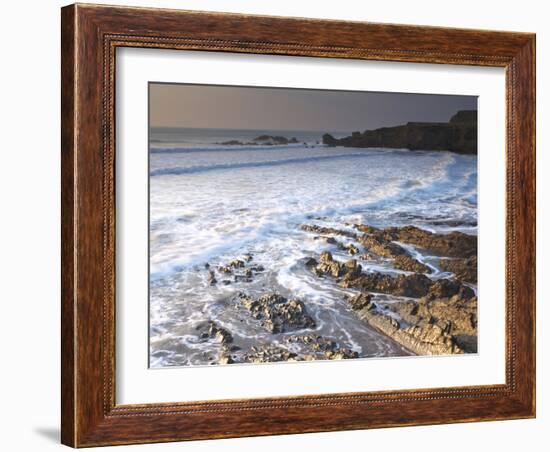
pixel 283 225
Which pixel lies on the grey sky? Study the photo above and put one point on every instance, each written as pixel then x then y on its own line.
pixel 230 107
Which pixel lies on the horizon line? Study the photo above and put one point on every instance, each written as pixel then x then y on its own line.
pixel 239 128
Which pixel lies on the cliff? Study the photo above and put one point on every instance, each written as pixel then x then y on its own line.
pixel 458 135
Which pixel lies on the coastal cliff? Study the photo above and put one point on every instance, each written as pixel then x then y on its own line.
pixel 458 135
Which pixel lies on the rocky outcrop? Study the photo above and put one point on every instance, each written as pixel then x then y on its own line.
pixel 414 285
pixel 350 248
pixel 308 347
pixel 265 140
pixel 438 316
pixel 276 313
pixel 268 354
pixel 312 347
pixel 458 135
pixel 430 326
pixel 324 230
pixel 410 264
pixel 360 301
pixel 318 347
pixel 429 339
pixel 211 278
pixel 464 269
pixel 211 331
pixel 446 288
pixel 241 269
pixel 379 245
pixel 235 143
pixel 327 240
pixel 456 316
pixel 237 263
pixel 453 244
pixel 443 317
pixel 275 139
pixel 329 266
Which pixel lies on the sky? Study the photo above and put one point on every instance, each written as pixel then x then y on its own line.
pixel 232 107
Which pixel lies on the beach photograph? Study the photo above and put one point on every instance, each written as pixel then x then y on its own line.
pixel 292 225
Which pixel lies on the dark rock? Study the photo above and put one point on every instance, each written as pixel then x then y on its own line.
pixel 409 264
pixel 248 257
pixel 310 262
pixel 307 347
pixel 245 276
pixel 466 343
pixel 242 278
pixel 232 143
pixel 414 285
pixel 350 248
pixel 368 256
pixel 461 313
pixel 274 139
pixel 343 353
pixel 446 288
pixel 268 354
pixel 381 246
pixel 329 240
pixel 425 339
pixel 366 228
pixel 226 359
pixel 454 244
pixel 211 331
pixel 278 314
pixel 457 135
pixel 464 116
pixel 318 347
pixel 212 278
pixel 237 263
pixel 456 316
pixel 324 230
pixel 361 301
pixel 327 265
pixel 329 140
pixel 464 269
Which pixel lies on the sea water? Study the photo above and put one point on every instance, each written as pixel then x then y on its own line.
pixel 212 203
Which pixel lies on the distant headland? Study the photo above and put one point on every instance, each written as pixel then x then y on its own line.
pixel 458 135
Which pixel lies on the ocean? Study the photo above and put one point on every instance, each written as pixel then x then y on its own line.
pixel 212 203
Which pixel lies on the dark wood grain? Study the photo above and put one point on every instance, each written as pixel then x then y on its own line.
pixel 68 147
pixel 90 36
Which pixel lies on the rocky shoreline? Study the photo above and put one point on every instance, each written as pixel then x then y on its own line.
pixel 425 314
pixel 442 318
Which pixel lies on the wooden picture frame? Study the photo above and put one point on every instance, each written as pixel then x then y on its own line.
pixel 90 36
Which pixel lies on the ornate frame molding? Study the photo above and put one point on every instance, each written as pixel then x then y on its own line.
pixel 90 37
